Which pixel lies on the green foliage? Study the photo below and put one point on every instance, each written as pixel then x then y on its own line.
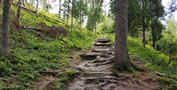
pixel 148 53
pixel 32 19
pixel 168 43
pixel 155 61
pixel 65 76
pixel 95 14
pixel 31 54
pixel 168 83
pixel 106 26
pixel 80 7
pixel 46 5
pixel 141 14
pixel 157 28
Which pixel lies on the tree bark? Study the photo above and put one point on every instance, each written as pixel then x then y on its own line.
pixel 5 27
pixel 143 24
pixel 72 15
pixel 68 12
pixel 60 7
pixel 37 5
pixel 144 35
pixel 121 60
pixel 1 1
pixel 31 4
pixel 154 35
pixel 80 17
pixel 19 11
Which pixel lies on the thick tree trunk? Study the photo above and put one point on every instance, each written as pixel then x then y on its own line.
pixel 121 60
pixel 1 1
pixel 19 11
pixel 5 27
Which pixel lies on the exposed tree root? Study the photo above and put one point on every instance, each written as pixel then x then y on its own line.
pixel 98 74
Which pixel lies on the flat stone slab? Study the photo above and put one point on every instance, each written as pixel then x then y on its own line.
pixel 89 56
pixel 101 50
pixel 102 44
pixel 103 40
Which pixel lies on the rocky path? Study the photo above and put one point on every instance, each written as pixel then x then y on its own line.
pixel 97 73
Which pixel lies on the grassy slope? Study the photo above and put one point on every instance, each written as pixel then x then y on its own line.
pixel 31 54
pixel 154 60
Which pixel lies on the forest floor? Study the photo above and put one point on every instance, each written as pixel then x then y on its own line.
pixel 96 72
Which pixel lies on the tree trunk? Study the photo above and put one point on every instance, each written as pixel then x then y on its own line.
pixel 64 11
pixel 18 11
pixel 121 60
pixel 144 35
pixel 154 39
pixel 25 2
pixel 2 1
pixel 37 5
pixel 95 27
pixel 59 7
pixel 48 3
pixel 68 10
pixel 143 24
pixel 80 20
pixel 154 35
pixel 5 27
pixel 72 14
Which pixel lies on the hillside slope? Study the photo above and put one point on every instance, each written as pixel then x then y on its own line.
pixel 40 51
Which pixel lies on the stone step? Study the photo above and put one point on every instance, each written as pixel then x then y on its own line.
pixel 102 44
pixel 101 79
pixel 103 40
pixel 89 55
pixel 101 50
pixel 103 59
pixel 96 74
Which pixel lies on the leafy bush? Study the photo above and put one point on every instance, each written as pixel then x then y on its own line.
pixel 168 43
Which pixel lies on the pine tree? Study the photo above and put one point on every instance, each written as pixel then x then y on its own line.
pixel 121 60
pixel 5 27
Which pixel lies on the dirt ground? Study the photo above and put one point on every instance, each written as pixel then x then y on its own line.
pixel 96 72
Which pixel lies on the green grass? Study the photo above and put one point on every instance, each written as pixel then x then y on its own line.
pixel 155 61
pixel 31 54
